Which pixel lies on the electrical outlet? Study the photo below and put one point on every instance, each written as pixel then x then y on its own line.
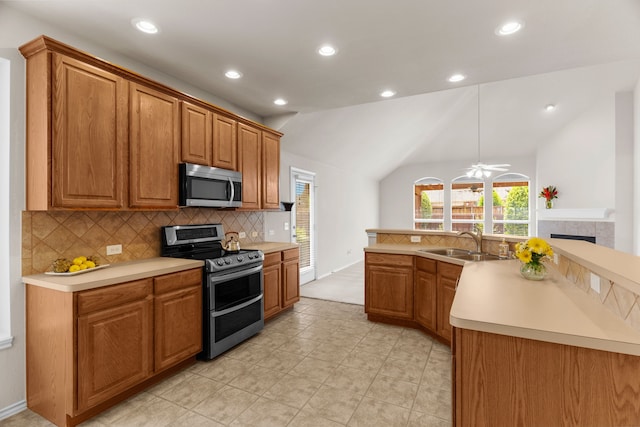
pixel 114 249
pixel 242 234
pixel 595 282
pixel 254 234
pixel 415 239
pixel 271 232
pixel 556 260
pixel 286 226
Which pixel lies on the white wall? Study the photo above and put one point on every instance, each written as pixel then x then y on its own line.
pixel 396 189
pixel 346 204
pixel 624 171
pixel 12 360
pixel 636 169
pixel 580 159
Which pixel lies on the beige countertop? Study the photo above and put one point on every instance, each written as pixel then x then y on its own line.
pixel 493 297
pixel 268 247
pixel 113 274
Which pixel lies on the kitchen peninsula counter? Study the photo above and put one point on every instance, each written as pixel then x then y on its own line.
pixel 113 274
pixel 493 297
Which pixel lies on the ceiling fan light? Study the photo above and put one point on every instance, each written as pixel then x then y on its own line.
pixel 487 174
pixel 478 173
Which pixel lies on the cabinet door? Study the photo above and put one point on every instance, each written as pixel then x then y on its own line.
pixel 225 147
pixel 448 275
pixel 178 326
pixel 249 163
pixel 272 295
pixel 425 294
pixel 89 136
pixel 154 146
pixel 290 282
pixel 389 290
pixel 196 134
pixel 114 342
pixel 270 171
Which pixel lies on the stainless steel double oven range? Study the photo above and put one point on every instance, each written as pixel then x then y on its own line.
pixel 232 284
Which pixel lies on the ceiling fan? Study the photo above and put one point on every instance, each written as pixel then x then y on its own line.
pixel 479 169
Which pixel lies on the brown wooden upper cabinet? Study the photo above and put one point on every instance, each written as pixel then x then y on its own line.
pixel 225 146
pixel 102 137
pixel 153 148
pixel 76 134
pixel 259 162
pixel 196 134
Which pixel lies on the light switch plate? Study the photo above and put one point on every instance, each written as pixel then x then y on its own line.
pixel 271 232
pixel 415 239
pixel 242 234
pixel 595 282
pixel 286 226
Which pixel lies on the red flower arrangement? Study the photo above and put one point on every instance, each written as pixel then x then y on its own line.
pixel 549 193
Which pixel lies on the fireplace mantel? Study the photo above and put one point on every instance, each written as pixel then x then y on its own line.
pixel 588 214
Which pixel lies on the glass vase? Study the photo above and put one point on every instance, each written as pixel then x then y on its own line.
pixel 533 271
pixel 549 204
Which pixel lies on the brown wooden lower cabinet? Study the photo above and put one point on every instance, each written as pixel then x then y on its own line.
pixel 411 291
pixel 509 381
pixel 88 350
pixel 281 273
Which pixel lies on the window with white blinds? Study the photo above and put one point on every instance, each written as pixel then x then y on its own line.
pixel 303 188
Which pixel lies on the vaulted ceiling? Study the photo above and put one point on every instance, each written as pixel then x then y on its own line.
pixel 409 46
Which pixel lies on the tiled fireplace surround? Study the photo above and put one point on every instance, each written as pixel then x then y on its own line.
pixel 47 236
pixel 615 297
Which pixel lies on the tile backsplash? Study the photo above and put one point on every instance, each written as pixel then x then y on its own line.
pixel 47 236
pixel 615 297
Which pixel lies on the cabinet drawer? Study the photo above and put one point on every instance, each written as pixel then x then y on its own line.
pixel 290 254
pixel 173 281
pixel 271 259
pixel 451 271
pixel 110 296
pixel 396 260
pixel 425 264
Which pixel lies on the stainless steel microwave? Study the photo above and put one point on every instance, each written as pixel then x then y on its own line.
pixel 209 187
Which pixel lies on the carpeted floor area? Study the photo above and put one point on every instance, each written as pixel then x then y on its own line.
pixel 346 285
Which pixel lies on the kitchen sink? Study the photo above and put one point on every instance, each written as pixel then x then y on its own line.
pixel 452 252
pixel 463 254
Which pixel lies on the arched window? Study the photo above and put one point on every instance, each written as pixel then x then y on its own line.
pixel 428 196
pixel 512 216
pixel 467 208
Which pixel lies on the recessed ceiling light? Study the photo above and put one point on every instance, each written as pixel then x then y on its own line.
pixel 387 93
pixel 549 107
pixel 327 50
pixel 457 78
pixel 509 28
pixel 233 74
pixel 280 101
pixel 145 25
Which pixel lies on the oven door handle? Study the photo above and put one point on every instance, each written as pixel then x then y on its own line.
pixel 231 276
pixel 236 307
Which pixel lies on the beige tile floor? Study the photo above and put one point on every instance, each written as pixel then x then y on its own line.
pixel 320 364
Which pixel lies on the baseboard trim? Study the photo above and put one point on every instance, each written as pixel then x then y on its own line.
pixel 13 409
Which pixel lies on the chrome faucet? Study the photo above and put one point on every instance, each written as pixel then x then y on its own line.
pixel 477 237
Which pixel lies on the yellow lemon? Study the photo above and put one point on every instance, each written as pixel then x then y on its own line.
pixel 90 264
pixel 79 260
pixel 74 267
pixel 82 266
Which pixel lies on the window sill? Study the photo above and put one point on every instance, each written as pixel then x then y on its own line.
pixel 6 342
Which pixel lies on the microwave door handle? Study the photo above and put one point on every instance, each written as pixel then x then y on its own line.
pixel 233 190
